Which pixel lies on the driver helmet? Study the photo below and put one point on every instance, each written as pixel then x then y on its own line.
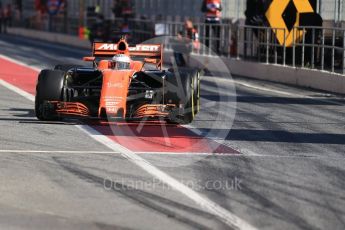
pixel 121 62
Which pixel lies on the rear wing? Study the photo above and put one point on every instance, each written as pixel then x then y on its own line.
pixel 144 51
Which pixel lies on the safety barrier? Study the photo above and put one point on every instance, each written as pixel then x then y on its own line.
pixel 325 49
pixel 312 47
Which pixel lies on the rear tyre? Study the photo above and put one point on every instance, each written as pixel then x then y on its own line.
pixel 187 98
pixel 196 91
pixel 49 88
pixel 188 94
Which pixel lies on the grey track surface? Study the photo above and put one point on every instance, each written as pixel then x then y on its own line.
pixel 291 171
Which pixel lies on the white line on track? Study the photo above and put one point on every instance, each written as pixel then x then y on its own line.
pixel 225 215
pixel 17 90
pixel 52 151
pixel 267 89
pixel 253 155
pixel 20 63
pixel 57 46
pixel 247 154
pixel 107 152
pixel 248 85
pixel 281 92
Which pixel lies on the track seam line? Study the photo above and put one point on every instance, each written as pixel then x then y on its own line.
pixel 297 156
pixel 105 152
pixel 224 215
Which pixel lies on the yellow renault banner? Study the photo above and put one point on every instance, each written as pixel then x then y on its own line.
pixel 274 16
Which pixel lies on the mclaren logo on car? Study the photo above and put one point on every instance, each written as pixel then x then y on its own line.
pixel 107 46
pixel 145 48
pixel 138 48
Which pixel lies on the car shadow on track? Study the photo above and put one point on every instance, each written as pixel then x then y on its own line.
pixel 21 112
pixel 274 100
pixel 282 136
pixel 244 96
pixel 36 121
pixel 27 116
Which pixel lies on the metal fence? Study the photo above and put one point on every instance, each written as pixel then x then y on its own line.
pixel 324 50
pixel 313 47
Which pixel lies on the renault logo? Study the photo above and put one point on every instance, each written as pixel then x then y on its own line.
pixel 286 34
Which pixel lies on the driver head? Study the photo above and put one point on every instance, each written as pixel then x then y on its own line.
pixel 121 62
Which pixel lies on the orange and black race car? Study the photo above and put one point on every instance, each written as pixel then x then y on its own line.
pixel 119 86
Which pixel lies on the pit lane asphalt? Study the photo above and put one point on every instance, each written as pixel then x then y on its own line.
pixel 291 169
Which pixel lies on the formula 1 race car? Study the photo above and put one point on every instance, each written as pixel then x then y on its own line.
pixel 117 87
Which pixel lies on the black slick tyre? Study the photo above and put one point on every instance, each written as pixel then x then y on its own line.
pixel 49 88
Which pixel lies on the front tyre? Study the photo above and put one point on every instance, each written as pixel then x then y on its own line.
pixel 49 88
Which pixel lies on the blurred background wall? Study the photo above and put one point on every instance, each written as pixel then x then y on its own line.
pixel 332 11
